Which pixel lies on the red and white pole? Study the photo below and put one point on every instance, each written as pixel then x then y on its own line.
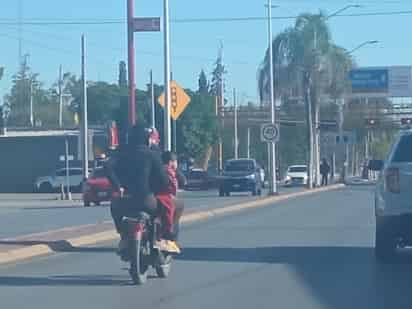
pixel 131 63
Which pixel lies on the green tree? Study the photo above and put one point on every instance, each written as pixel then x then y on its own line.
pixel 203 83
pixel 122 75
pixel 307 65
pixel 24 85
pixel 199 128
pixel 218 76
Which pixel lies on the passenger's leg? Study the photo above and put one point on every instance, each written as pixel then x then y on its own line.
pixel 179 209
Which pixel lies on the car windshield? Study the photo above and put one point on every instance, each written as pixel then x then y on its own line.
pixel 235 166
pixel 298 169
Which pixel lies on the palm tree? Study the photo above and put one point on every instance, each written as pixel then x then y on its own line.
pixel 302 54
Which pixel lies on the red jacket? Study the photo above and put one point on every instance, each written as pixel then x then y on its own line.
pixel 173 183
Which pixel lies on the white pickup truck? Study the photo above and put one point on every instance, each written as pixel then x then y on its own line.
pixel 53 183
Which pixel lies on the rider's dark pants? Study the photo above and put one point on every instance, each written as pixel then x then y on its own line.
pixel 129 207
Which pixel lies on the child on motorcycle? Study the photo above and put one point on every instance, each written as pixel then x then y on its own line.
pixel 167 205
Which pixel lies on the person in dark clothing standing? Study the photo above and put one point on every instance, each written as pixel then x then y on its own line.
pixel 324 171
pixel 138 174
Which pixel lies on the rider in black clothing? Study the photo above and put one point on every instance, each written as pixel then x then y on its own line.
pixel 138 172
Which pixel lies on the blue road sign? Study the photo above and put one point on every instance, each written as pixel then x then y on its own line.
pixel 369 80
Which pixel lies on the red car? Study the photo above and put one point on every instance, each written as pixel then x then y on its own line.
pixel 97 188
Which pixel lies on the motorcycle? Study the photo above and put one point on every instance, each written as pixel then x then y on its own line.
pixel 143 232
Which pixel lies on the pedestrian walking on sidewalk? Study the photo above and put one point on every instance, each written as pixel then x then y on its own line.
pixel 324 171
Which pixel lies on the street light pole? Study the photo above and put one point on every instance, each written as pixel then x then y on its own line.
pixel 362 45
pixel 236 125
pixel 167 119
pixel 152 100
pixel 272 159
pixel 84 119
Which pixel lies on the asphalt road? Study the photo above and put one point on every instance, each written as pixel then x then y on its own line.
pixel 311 252
pixel 22 214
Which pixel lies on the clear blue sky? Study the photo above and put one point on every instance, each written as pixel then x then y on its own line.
pixel 194 46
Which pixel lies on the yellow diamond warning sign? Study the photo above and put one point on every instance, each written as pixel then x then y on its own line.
pixel 179 100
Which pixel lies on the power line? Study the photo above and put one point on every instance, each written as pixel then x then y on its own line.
pixel 51 22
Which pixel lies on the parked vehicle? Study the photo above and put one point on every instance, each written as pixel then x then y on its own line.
pixel 241 175
pixel 54 182
pixel 97 188
pixel 393 208
pixel 198 179
pixel 296 175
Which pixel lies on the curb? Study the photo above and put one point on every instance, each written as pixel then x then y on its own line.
pixel 44 249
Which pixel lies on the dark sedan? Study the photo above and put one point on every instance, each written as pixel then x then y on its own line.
pixel 241 175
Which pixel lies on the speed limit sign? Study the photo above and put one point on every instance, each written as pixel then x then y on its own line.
pixel 269 133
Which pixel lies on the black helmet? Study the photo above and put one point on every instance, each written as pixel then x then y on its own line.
pixel 138 135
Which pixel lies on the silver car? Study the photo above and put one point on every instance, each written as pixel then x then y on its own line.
pixel 393 199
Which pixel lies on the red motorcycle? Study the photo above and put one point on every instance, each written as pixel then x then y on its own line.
pixel 143 232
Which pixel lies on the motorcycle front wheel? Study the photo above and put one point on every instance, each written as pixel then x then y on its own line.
pixel 138 262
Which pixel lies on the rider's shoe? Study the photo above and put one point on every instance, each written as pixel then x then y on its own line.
pixel 169 246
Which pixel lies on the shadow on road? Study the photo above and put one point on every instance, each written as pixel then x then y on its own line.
pixel 339 277
pixel 56 246
pixel 86 280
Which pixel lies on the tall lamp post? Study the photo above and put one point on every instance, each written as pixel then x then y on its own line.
pixel 272 158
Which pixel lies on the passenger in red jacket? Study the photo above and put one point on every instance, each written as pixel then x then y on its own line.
pixel 167 201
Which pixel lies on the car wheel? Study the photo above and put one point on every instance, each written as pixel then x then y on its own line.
pixel 255 191
pixel 97 203
pixel 385 242
pixel 46 187
pixel 86 204
pixel 227 193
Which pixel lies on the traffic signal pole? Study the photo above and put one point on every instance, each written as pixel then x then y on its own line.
pixel 131 63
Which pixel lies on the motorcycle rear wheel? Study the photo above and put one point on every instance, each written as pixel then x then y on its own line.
pixel 163 269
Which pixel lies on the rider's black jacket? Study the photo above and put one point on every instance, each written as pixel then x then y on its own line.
pixel 138 170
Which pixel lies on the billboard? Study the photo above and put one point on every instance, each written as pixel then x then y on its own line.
pixel 373 82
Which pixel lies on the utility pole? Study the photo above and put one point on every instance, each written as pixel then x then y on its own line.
pixel 84 126
pixel 68 194
pixel 31 104
pixel 310 129
pixel 272 164
pixel 131 63
pixel 167 119
pixel 248 142
pixel 152 99
pixel 221 108
pixel 20 21
pixel 236 125
pixel 60 97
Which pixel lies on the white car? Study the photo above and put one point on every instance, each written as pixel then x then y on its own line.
pixel 393 195
pixel 296 175
pixel 53 183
